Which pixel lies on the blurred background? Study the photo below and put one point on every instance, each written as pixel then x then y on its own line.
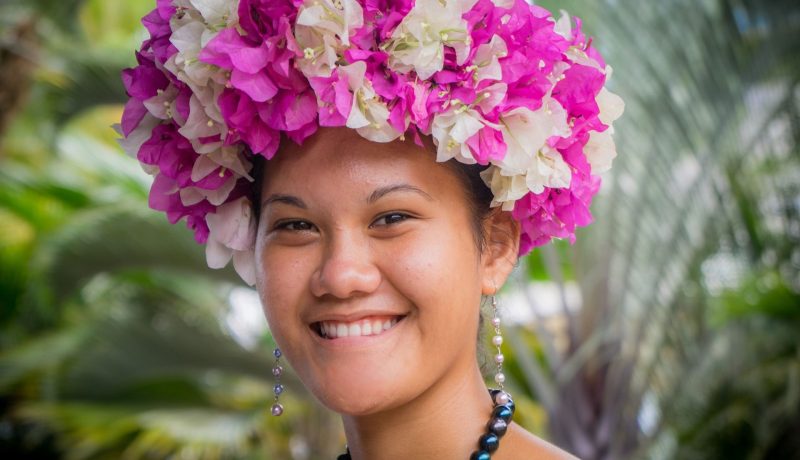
pixel 670 330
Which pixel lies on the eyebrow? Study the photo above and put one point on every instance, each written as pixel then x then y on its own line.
pixel 376 195
pixel 285 199
pixel 383 191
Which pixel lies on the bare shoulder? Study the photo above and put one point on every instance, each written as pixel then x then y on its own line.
pixel 519 444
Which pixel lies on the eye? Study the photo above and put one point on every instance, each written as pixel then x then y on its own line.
pixel 294 226
pixel 391 218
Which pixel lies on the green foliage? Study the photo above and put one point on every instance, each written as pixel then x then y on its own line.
pixel 113 341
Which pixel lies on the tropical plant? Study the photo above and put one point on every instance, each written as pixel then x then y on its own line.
pixel 682 343
pixel 701 199
pixel 115 341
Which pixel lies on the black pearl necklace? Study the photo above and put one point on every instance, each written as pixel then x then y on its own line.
pixel 489 442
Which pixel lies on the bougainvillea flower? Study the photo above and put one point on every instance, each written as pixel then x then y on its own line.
pixel 500 83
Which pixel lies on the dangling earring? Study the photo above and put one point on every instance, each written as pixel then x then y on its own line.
pixel 497 341
pixel 504 406
pixel 277 371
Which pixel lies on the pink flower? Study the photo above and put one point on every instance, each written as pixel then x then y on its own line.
pixel 164 197
pixel 241 116
pixel 487 145
pixel 578 91
pixel 157 23
pixel 554 213
pixel 334 99
pixel 498 82
pixel 230 51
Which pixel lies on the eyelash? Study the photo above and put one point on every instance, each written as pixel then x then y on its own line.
pixel 285 225
pixel 403 215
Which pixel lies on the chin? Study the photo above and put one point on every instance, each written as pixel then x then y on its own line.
pixel 349 393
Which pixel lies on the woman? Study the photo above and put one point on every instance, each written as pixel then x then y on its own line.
pixel 375 168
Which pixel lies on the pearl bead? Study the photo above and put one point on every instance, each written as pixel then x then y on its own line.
pixel 489 442
pixel 496 322
pixel 497 426
pixel 277 371
pixel 497 340
pixel 499 377
pixel 480 455
pixel 502 398
pixel 499 358
pixel 502 412
pixel 277 409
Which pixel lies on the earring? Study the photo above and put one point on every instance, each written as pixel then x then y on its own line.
pixel 497 341
pixel 277 371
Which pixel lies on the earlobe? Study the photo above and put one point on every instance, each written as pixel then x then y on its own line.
pixel 501 251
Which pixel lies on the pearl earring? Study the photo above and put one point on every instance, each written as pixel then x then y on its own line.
pixel 504 406
pixel 497 341
pixel 277 371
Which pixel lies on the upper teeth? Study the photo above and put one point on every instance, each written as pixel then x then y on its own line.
pixel 364 327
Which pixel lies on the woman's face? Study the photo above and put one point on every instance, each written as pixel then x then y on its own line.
pixel 368 269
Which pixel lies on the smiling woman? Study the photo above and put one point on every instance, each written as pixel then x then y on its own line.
pixel 372 281
pixel 375 168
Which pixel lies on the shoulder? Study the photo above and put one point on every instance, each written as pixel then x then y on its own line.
pixel 519 444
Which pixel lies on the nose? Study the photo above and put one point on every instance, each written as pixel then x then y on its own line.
pixel 347 269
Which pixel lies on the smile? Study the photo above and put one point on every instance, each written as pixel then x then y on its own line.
pixel 369 326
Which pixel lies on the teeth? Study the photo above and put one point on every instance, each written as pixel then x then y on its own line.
pixel 362 328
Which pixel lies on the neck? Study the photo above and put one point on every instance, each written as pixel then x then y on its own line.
pixel 443 422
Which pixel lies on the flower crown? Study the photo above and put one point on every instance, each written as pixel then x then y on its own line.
pixel 495 82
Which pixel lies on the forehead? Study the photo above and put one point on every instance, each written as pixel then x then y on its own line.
pixel 341 158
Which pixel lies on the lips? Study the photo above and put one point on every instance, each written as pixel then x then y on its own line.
pixel 364 327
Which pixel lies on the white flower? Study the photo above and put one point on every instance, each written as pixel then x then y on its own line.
pixel 162 105
pixel 578 56
pixel 200 124
pixel 452 129
pixel 136 138
pixel 232 236
pixel 526 132
pixel 244 262
pixel 503 3
pixel 323 32
pixel 506 189
pixel 321 52
pixel 417 43
pixel 369 116
pixel 491 96
pixel 190 38
pixel 486 61
pixel 600 150
pixel 338 17
pixel 218 14
pixel 563 26
pixel 192 30
pixel 548 169
pixel 229 158
pixel 611 106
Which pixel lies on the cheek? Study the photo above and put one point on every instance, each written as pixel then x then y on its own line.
pixel 439 273
pixel 281 287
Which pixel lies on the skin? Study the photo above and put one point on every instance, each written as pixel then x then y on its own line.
pixel 326 251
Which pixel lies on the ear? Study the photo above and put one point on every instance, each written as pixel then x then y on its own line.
pixel 500 253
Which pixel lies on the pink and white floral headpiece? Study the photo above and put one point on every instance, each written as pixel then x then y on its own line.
pixel 496 82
